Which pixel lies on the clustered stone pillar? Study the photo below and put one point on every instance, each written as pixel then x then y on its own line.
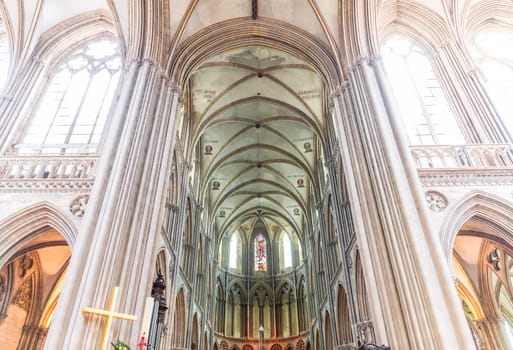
pixel 413 302
pixel 117 235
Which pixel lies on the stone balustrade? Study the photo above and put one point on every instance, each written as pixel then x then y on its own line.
pixel 47 167
pixel 47 173
pixel 463 156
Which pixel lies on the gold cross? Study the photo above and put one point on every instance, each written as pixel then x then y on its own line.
pixel 110 314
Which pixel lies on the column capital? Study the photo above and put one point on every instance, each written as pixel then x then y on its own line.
pixel 338 91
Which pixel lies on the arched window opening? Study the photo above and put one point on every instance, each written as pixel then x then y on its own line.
pixel 492 51
pixel 72 113
pixel 260 253
pixel 421 101
pixel 287 251
pixel 234 252
pixel 4 54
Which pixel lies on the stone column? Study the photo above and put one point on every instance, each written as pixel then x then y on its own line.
pixel 409 285
pixel 494 333
pixel 115 246
pixel 481 122
pixel 16 100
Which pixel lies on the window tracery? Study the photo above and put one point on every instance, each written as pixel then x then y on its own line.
pixel 72 113
pixel 420 98
pixel 260 253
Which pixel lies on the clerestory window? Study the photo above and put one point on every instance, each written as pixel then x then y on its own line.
pixel 72 113
pixel 422 103
pixel 260 253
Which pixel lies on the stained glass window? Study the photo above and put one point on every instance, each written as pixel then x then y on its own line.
pixel 260 253
pixel 73 111
pixel 493 53
pixel 421 101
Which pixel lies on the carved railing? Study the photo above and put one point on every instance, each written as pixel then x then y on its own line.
pixel 47 172
pixel 463 156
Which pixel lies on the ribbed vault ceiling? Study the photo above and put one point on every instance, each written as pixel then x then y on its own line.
pixel 258 112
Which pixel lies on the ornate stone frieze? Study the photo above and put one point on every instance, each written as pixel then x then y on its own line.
pixel 78 205
pixel 25 264
pixel 436 201
pixel 47 174
pixel 468 177
pixel 36 186
pixel 23 295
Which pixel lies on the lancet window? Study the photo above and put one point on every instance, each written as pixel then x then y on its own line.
pixel 260 253
pixel 287 251
pixel 235 251
pixel 420 98
pixel 72 112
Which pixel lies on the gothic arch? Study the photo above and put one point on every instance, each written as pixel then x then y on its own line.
pixel 179 331
pixel 486 13
pixel 237 284
pixel 328 334
pixel 416 22
pixel 477 204
pixel 343 319
pixel 21 227
pixel 195 332
pixel 236 33
pixel 65 37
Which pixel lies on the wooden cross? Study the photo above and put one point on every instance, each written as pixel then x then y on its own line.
pixel 109 314
pixel 254 9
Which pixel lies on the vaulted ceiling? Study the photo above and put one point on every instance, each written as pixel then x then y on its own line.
pixel 259 113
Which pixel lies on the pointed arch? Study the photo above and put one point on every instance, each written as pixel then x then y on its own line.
pixel 195 332
pixel 328 333
pixel 235 33
pixel 411 20
pixel 343 319
pixel 21 227
pixel 480 204
pixel 179 331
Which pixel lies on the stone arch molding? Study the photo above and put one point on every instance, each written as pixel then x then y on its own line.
pixel 477 203
pixel 67 36
pixel 236 33
pixel 21 227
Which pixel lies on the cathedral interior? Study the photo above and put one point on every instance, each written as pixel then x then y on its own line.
pixel 256 174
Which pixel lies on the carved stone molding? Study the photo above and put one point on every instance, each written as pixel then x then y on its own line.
pixel 25 264
pixel 78 205
pixel 475 177
pixel 23 295
pixel 38 186
pixel 436 201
